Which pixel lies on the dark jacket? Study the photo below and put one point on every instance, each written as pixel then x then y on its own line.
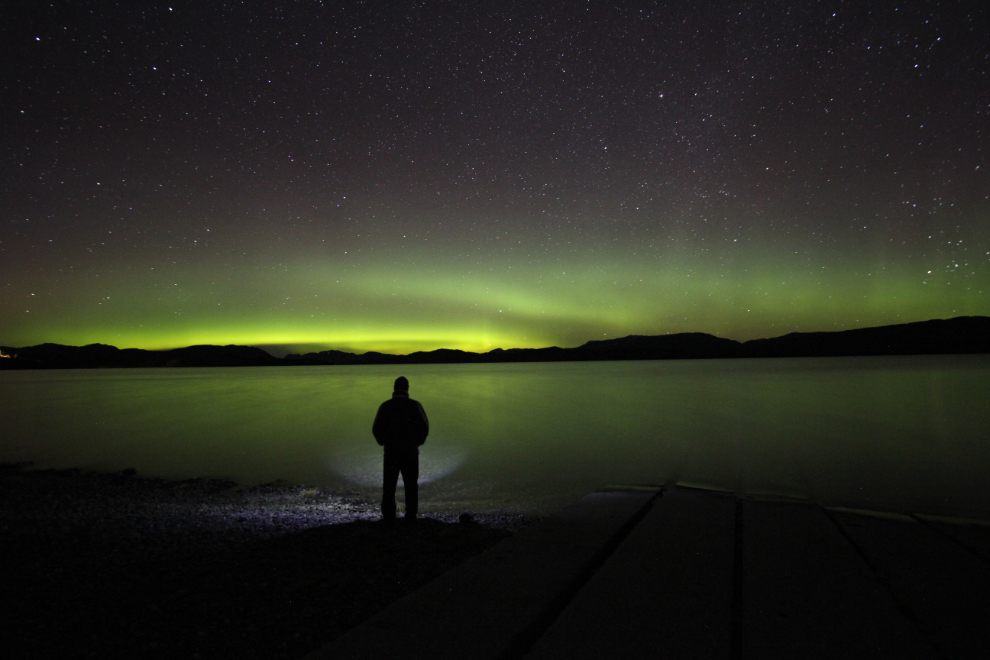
pixel 401 424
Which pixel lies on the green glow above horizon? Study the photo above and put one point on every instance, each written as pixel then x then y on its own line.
pixel 426 300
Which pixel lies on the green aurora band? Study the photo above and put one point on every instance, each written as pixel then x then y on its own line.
pixel 424 293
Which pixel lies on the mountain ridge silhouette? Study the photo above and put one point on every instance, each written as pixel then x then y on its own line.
pixel 959 335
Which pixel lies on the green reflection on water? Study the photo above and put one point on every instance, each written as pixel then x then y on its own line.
pixel 887 433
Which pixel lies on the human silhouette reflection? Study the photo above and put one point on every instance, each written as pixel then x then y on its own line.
pixel 401 427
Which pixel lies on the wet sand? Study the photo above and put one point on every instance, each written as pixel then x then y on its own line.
pixel 111 565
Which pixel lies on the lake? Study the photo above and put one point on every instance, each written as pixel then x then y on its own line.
pixel 887 433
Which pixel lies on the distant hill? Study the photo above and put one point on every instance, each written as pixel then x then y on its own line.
pixel 964 334
pixel 686 345
pixel 97 356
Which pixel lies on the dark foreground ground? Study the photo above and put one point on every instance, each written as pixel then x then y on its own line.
pixel 114 566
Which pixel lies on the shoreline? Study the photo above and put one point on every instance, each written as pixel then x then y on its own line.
pixel 116 565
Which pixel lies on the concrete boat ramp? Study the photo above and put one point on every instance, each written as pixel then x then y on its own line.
pixel 689 573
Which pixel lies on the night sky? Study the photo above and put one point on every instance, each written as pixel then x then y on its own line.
pixel 400 176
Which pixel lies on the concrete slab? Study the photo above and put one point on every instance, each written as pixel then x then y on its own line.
pixel 806 593
pixel 665 592
pixel 946 587
pixel 497 604
pixel 974 535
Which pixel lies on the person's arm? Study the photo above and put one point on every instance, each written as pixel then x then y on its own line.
pixel 426 423
pixel 378 428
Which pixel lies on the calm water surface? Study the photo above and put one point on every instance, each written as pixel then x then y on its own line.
pixel 904 433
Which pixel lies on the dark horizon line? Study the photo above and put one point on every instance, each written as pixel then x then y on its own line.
pixel 958 335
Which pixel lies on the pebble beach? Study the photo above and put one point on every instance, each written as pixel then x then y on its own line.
pixel 115 565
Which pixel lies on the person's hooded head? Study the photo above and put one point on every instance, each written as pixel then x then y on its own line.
pixel 401 385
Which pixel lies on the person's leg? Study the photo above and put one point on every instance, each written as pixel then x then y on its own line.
pixel 390 478
pixel 410 479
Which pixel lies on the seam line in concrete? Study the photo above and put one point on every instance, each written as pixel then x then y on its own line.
pixel 950 537
pixel 524 641
pixel 736 643
pixel 901 606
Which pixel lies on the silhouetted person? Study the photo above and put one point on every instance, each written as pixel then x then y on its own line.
pixel 401 427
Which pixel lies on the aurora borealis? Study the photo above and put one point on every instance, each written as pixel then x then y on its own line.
pixel 409 176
